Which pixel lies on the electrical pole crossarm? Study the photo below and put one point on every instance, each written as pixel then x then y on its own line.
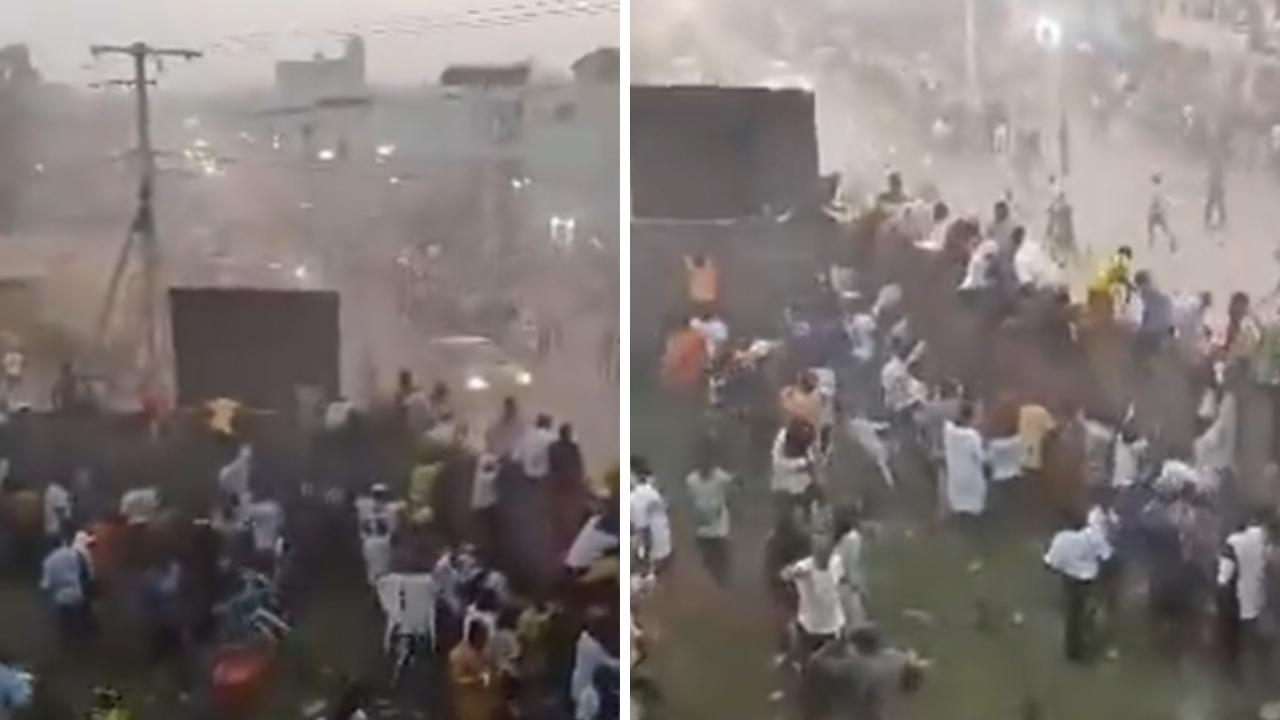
pixel 142 233
pixel 144 50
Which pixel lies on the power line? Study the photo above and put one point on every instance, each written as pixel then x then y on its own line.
pixel 142 232
pixel 515 14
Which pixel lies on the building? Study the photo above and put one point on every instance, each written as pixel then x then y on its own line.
pixel 304 82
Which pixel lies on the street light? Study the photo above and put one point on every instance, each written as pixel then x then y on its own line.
pixel 1048 33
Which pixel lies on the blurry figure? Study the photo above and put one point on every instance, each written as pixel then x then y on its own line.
pixel 1158 215
pixel 1076 554
pixel 534 448
pixel 472 677
pixel 1060 233
pixel 1215 199
pixel 64 584
pixel 703 279
pixel 894 194
pixel 504 435
pixel 376 516
pixel 221 415
pixel 233 482
pixel 709 487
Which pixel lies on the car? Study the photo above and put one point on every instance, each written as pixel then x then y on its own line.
pixel 477 365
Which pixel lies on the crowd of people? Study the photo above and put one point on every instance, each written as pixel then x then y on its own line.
pixel 493 569
pixel 1111 416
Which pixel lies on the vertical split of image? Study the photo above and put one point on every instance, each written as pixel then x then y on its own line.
pixel 953 356
pixel 311 359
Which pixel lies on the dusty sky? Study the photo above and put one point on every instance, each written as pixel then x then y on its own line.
pixel 409 40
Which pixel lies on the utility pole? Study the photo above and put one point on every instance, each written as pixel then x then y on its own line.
pixel 142 232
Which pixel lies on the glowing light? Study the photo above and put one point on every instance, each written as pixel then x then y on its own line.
pixel 1048 32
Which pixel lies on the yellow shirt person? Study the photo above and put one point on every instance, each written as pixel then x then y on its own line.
pixel 1109 287
pixel 222 414
pixel 1034 425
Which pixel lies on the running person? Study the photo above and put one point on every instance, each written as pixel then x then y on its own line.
pixel 1158 215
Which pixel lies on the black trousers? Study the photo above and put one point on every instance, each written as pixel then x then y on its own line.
pixel 715 555
pixel 1244 648
pixel 812 696
pixel 1078 619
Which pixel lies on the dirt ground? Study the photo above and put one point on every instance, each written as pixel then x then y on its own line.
pixel 979 605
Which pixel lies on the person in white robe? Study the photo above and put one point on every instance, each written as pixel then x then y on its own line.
pixel 1127 453
pixel 408 603
pixel 852 587
pixel 964 467
pixel 793 474
pixel 233 481
pixel 1215 449
pixel 57 511
pixel 266 521
pixel 376 516
pixel 650 523
pixel 869 435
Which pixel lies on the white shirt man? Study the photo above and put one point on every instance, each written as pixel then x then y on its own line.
pixel 589 655
pixel 1244 561
pixel 13 366
pixel 532 450
pixel 819 610
pixel 594 541
pixel 791 475
pixel 57 510
pixel 266 519
pixel 898 385
pixel 484 488
pixel 714 332
pixel 649 519
pixel 140 505
pixel 337 414
pixel 1191 323
pixel 709 493
pixel 848 553
pixel 1077 554
pixel 1126 457
pixel 1102 522
pixel 233 481
pixel 409 604
pixel 964 460
pixel 860 328
pixel 978 272
pixel 377 523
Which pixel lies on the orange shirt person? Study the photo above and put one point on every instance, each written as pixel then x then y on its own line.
pixel 704 280
pixel 473 678
pixel 684 359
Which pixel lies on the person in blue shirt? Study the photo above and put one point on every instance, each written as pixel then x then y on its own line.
pixel 1156 327
pixel 16 690
pixel 62 580
pixel 160 607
